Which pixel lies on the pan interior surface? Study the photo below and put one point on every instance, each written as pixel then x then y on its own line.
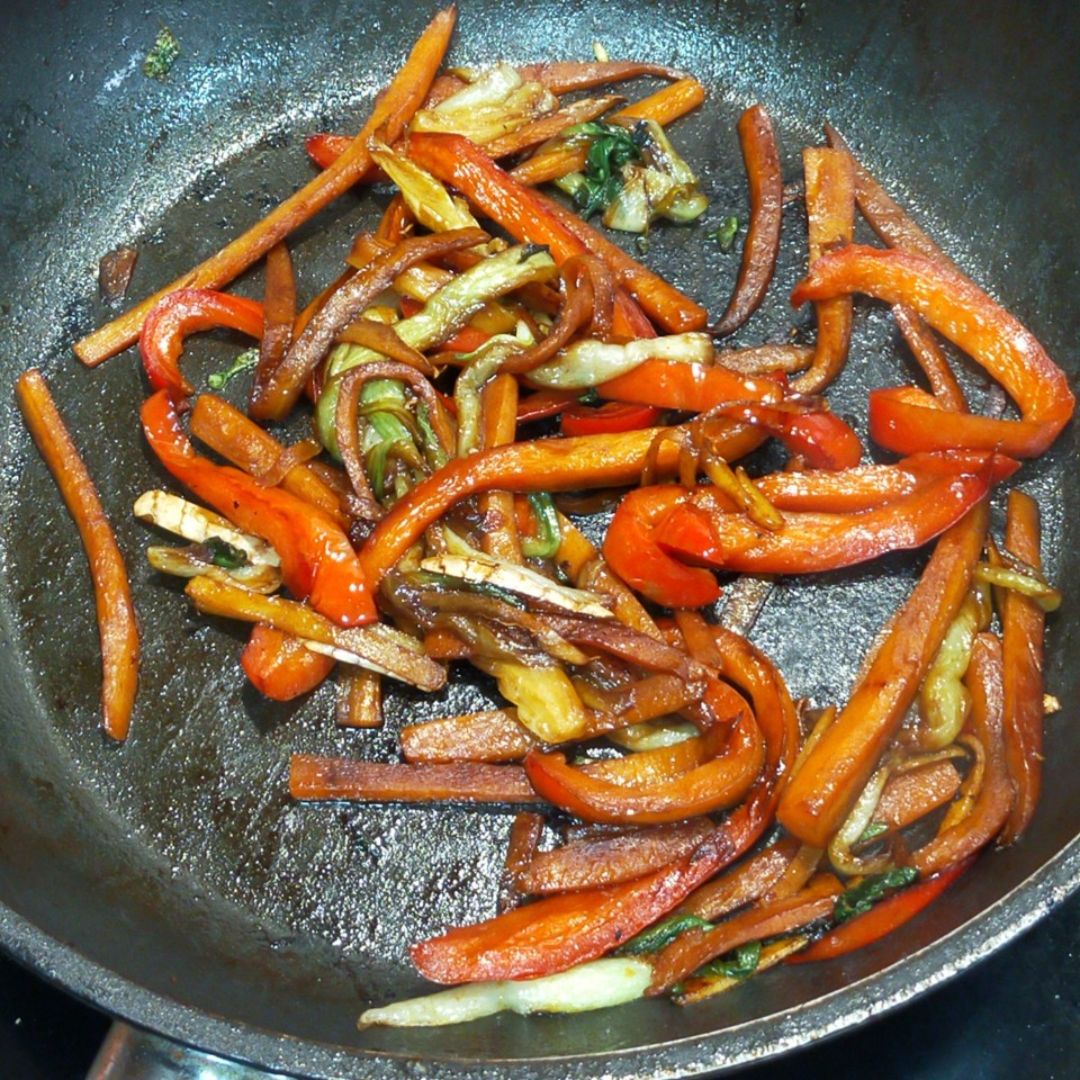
pixel 170 879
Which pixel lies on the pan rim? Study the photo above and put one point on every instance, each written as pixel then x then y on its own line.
pixel 728 1048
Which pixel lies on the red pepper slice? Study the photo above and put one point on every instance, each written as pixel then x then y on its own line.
pixel 317 560
pixel 545 403
pixel 608 419
pixel 881 919
pixel 455 160
pixel 908 420
pixel 632 552
pixel 279 666
pixel 812 542
pixel 672 384
pixel 721 780
pixel 184 312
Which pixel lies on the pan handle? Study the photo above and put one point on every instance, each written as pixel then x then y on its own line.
pixel 130 1053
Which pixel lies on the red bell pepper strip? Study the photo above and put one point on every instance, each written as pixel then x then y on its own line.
pixel 821 794
pixel 541 465
pixel 184 312
pixel 808 542
pixel 632 552
pixel 883 918
pixel 545 403
pixel 830 218
pixel 722 779
pixel 280 666
pixel 766 182
pixel 1022 625
pixel 672 384
pixel 317 560
pixel 521 211
pixel 908 420
pixel 607 419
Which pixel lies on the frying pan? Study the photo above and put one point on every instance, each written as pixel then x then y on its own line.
pixel 169 880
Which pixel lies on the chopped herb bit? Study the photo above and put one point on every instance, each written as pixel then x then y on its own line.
pixel 223 554
pixel 862 897
pixel 663 934
pixel 546 543
pixel 740 963
pixel 590 397
pixel 725 235
pixel 642 245
pixel 220 379
pixel 160 59
pixel 875 828
pixel 611 147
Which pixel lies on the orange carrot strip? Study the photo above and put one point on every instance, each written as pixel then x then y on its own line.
pixel 1023 622
pixel 117 624
pixel 279 314
pixel 359 703
pixel 391 114
pixel 547 127
pixel 230 433
pixel 499 427
pixel 666 105
pixel 822 792
pixel 319 778
pixel 766 183
pixel 830 212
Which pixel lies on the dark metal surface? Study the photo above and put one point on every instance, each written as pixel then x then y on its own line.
pixel 170 880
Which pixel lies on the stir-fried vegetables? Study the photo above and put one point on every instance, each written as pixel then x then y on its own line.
pixel 677 830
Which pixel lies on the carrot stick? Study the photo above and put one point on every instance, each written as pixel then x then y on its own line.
pixel 279 314
pixel 499 421
pixel 830 212
pixel 821 793
pixel 492 735
pixel 766 183
pixel 547 127
pixel 391 114
pixel 525 835
pixel 359 699
pixel 319 778
pixel 660 299
pixel 1023 622
pixel 666 105
pixel 230 433
pixel 921 341
pixel 117 624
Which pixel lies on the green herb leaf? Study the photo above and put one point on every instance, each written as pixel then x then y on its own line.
pixel 247 359
pixel 162 55
pixel 223 554
pixel 862 897
pixel 544 545
pixel 663 934
pixel 610 148
pixel 740 963
pixel 725 235
pixel 874 829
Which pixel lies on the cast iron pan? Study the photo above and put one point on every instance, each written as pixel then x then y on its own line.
pixel 169 880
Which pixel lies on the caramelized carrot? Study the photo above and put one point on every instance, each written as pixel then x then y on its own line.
pixel 392 112
pixel 117 624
